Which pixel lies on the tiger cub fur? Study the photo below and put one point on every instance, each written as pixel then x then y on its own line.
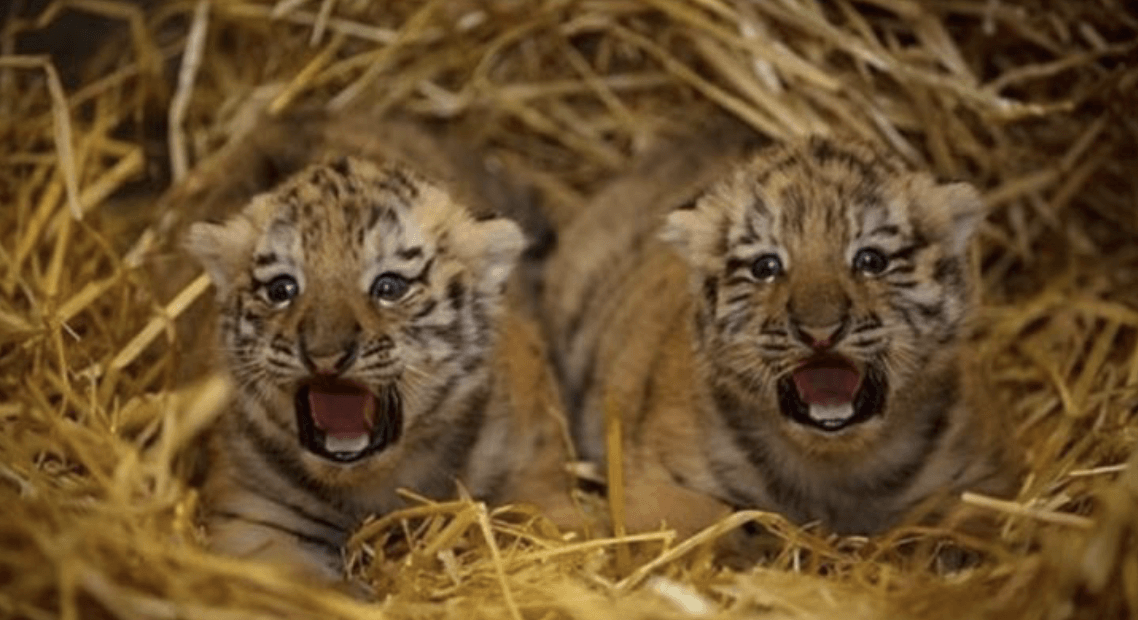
pixel 365 322
pixel 791 339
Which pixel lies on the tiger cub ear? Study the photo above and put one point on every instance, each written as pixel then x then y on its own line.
pixel 692 230
pixel 222 249
pixel 961 210
pixel 493 246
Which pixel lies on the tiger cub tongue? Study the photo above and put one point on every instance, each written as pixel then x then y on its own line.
pixel 826 385
pixel 828 388
pixel 342 413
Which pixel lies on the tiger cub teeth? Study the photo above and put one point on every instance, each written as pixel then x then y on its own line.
pixel 831 416
pixel 346 445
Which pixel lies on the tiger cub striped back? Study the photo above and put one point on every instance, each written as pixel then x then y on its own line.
pixel 790 338
pixel 366 324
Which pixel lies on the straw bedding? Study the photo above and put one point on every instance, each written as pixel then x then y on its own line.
pixel 1032 101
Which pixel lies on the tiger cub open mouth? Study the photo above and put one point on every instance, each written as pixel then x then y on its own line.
pixel 830 393
pixel 343 421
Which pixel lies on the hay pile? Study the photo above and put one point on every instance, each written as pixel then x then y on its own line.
pixel 1031 100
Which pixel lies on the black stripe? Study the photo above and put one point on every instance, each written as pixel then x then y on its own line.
pixel 824 152
pixel 690 204
pixel 424 275
pixel 377 212
pixel 907 252
pixel 759 207
pixel 450 332
pixel 473 362
pixel 427 308
pixel 739 418
pixel 329 183
pixel 397 181
pixel 342 166
pixel 334 547
pixel 456 292
pixel 283 462
pixel 277 363
pixel 905 284
pixel 465 430
pixel 378 345
pixel 790 160
pixel 409 253
pixel 260 260
pixel 871 321
pixel 735 264
pixel 579 393
pixel 794 208
pixel 480 316
pixel 735 299
pixel 931 311
pixel 901 476
pixel 262 491
pixel 711 291
pixel 907 316
pixel 948 271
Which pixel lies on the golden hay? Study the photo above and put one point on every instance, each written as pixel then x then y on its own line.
pixel 1033 101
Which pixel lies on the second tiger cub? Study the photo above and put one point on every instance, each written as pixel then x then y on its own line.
pixel 791 339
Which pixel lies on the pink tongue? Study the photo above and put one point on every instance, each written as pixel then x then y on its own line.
pixel 826 385
pixel 342 414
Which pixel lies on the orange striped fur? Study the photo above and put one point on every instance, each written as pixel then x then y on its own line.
pixel 368 278
pixel 695 297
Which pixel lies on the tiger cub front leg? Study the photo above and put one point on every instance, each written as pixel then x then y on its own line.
pixel 306 559
pixel 652 500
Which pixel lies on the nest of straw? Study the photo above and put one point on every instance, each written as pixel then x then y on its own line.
pixel 1032 101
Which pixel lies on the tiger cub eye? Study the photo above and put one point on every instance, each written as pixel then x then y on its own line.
pixel 870 261
pixel 281 290
pixel 766 268
pixel 389 287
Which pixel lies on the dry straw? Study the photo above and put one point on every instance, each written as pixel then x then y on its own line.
pixel 1033 101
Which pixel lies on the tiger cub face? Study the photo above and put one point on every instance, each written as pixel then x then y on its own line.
pixel 830 285
pixel 353 299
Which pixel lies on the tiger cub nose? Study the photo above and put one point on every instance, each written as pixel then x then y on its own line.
pixel 331 362
pixel 820 338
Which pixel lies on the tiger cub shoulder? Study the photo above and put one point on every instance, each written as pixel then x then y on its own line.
pixel 365 319
pixel 783 331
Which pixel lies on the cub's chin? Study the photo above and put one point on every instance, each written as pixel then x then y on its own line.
pixel 344 422
pixel 832 395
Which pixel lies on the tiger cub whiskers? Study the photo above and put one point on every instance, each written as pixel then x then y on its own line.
pixel 365 320
pixel 791 339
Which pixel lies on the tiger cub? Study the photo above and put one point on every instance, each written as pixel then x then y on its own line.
pixel 365 322
pixel 791 339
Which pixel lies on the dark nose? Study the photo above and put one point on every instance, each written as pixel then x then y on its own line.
pixel 820 338
pixel 328 361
